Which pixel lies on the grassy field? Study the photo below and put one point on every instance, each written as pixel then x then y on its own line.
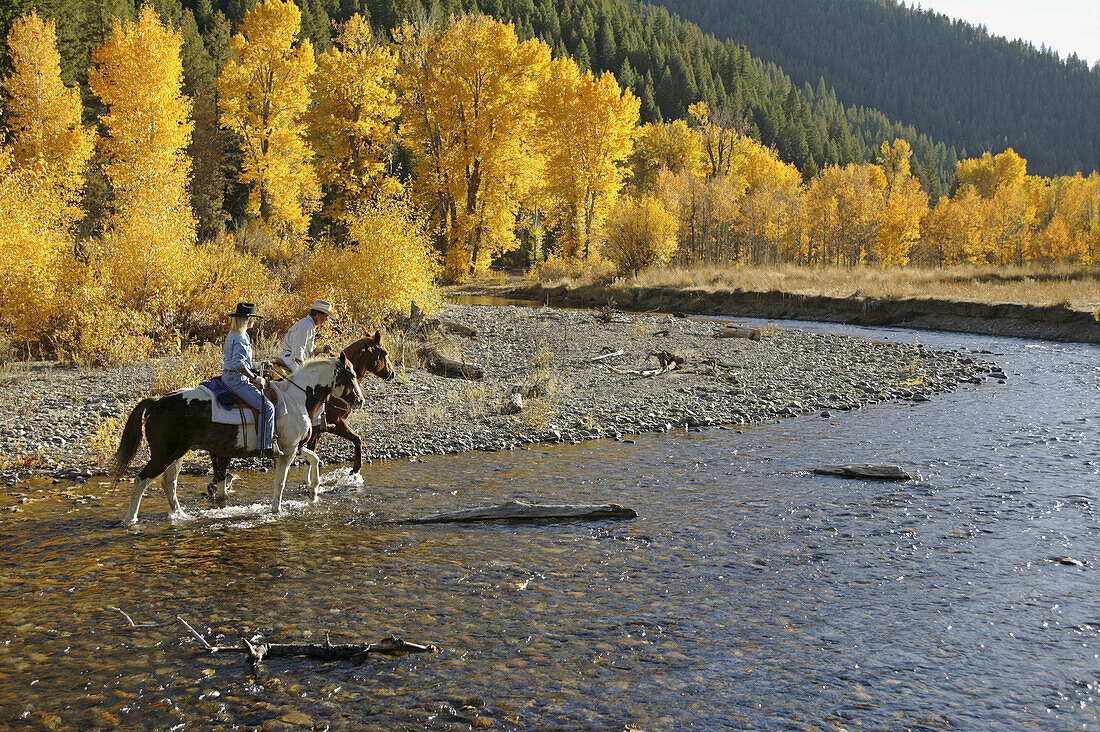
pixel 1076 287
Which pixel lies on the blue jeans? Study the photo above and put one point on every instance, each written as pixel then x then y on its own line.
pixel 243 388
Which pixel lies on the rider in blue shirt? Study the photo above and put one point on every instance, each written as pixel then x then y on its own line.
pixel 240 378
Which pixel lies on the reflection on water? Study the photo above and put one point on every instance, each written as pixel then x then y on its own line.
pixel 749 594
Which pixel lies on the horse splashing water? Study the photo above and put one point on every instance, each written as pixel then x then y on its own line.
pixel 368 356
pixel 181 421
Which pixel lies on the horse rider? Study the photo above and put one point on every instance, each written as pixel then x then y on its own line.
pixel 239 377
pixel 298 345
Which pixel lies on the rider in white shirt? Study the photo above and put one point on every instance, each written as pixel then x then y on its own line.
pixel 298 345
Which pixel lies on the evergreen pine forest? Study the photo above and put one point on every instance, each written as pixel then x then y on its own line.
pixel 161 163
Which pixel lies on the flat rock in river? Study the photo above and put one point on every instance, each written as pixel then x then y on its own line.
pixel 866 471
pixel 521 511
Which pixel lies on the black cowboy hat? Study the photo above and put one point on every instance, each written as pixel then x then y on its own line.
pixel 245 310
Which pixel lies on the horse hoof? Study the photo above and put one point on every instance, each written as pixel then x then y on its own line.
pixel 221 502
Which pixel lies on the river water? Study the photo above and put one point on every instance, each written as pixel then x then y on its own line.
pixel 749 593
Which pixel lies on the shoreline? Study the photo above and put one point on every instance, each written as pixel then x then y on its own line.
pixel 1050 322
pixel 556 360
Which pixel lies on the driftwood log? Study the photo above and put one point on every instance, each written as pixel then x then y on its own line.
pixel 866 471
pixel 739 331
pixel 438 364
pixel 522 511
pixel 667 361
pixel 458 328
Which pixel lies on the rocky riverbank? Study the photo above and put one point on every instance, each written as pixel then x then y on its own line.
pixel 1048 322
pixel 550 375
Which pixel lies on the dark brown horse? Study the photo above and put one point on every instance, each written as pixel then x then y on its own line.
pixel 367 356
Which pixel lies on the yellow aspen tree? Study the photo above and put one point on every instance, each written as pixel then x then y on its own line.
pixel 821 217
pixel 770 205
pixel 32 244
pixel 137 74
pixel 1010 217
pixel 48 142
pixel 585 128
pixel 351 120
pixel 1091 218
pixel 957 223
pixel 264 94
pixel 860 196
pixel 658 146
pixel 467 96
pixel 1065 238
pixel 904 205
pixel 989 172
pixel 717 138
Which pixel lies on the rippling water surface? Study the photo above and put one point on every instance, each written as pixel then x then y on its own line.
pixel 749 593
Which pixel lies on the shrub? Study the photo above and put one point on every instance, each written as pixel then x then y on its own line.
pixel 640 233
pixel 386 264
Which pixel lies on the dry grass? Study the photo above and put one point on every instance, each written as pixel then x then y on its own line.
pixel 1079 287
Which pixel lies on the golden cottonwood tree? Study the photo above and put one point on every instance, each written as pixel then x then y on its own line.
pixel 351 120
pixel 138 76
pixel 467 96
pixel 264 93
pixel 585 126
pixel 48 142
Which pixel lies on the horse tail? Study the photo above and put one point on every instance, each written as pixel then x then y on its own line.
pixel 131 439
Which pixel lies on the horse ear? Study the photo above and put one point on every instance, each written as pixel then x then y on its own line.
pixel 377 336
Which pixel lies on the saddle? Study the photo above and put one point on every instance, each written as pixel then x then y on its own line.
pixel 229 400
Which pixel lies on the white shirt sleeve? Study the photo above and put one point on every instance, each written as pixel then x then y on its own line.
pixel 298 342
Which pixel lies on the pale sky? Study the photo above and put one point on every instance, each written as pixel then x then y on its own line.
pixel 1066 26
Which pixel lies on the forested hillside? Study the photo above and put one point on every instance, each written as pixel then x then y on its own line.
pixel 667 63
pixel 951 79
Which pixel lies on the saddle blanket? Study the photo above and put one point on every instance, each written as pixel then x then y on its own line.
pixel 220 414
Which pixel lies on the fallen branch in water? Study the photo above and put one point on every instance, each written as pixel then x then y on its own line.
pixel 327 651
pixel 131 620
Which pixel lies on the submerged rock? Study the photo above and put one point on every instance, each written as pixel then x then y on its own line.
pixel 865 471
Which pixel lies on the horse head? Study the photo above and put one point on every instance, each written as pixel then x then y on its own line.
pixel 368 355
pixel 346 383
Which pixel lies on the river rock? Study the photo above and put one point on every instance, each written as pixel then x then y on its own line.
pixel 865 471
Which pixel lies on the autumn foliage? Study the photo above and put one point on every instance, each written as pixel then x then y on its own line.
pixel 379 167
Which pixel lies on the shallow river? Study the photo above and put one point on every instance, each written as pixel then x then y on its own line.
pixel 749 593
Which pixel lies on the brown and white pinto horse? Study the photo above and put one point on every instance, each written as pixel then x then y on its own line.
pixel 179 422
pixel 368 356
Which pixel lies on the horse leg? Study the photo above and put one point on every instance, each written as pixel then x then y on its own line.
pixel 282 466
pixel 341 429
pixel 153 469
pixel 313 471
pixel 221 480
pixel 168 483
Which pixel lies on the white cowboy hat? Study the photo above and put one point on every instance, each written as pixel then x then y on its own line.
pixel 322 306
